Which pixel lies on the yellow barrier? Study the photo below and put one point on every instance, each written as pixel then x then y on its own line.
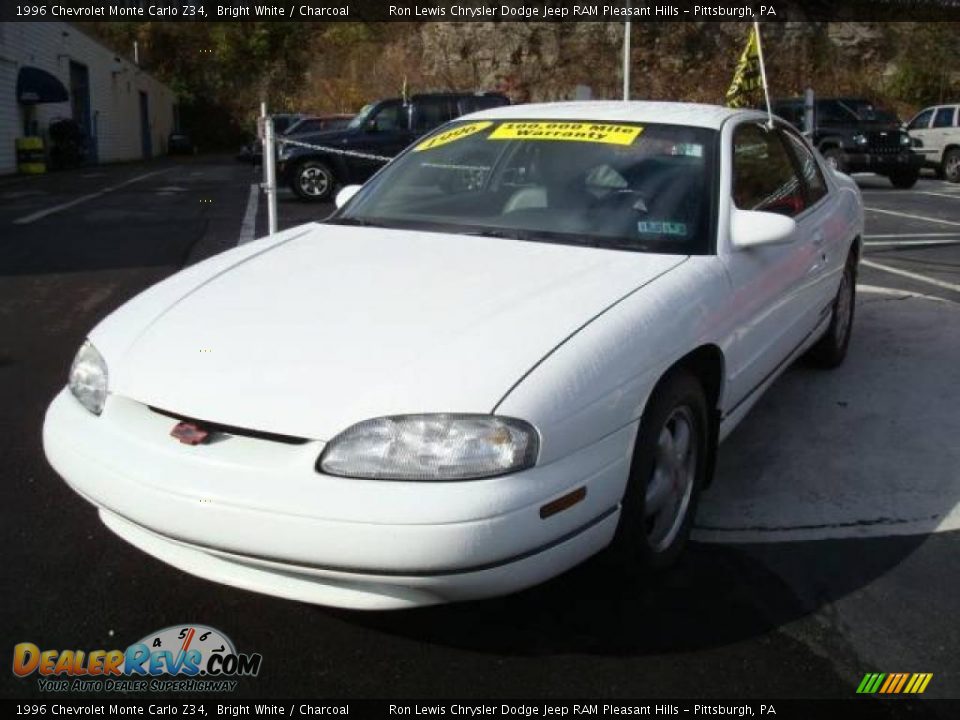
pixel 30 156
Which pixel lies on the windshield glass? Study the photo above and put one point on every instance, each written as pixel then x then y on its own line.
pixel 615 185
pixel 868 112
pixel 361 117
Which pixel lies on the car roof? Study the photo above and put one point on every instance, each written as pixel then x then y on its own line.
pixel 671 113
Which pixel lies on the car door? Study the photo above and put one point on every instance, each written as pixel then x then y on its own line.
pixel 771 297
pixel 918 128
pixel 942 132
pixel 820 224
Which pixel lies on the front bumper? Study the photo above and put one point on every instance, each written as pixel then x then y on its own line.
pixel 254 514
pixel 882 162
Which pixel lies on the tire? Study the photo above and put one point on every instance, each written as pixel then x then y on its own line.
pixel 950 167
pixel 904 179
pixel 834 158
pixel 831 350
pixel 646 540
pixel 313 180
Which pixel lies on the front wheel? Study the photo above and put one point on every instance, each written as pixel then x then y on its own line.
pixel 904 179
pixel 950 167
pixel 666 476
pixel 313 180
pixel 831 350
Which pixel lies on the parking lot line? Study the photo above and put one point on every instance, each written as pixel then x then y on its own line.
pixel 912 275
pixel 879 236
pixel 896 292
pixel 913 217
pixel 26 219
pixel 248 228
pixel 952 196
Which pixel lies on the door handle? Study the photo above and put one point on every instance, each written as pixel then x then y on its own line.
pixel 820 254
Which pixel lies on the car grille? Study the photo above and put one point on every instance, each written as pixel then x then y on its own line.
pixel 233 430
pixel 884 142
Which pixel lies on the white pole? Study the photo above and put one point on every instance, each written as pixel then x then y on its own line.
pixel 261 136
pixel 626 60
pixel 763 74
pixel 270 169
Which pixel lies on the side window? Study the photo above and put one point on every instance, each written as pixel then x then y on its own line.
pixel 921 121
pixel 764 177
pixel 830 112
pixel 943 118
pixel 431 113
pixel 792 113
pixel 388 117
pixel 809 169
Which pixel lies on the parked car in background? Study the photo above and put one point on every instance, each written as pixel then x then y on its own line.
pixel 179 144
pixel 252 152
pixel 936 134
pixel 854 135
pixel 518 346
pixel 383 128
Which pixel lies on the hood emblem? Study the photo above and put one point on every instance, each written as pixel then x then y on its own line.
pixel 189 433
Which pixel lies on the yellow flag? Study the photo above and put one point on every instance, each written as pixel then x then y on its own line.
pixel 746 90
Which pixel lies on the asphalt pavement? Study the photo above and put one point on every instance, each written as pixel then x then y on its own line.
pixel 827 549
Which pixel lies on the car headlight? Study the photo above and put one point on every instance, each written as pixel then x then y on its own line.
pixel 88 378
pixel 431 447
pixel 904 139
pixel 860 139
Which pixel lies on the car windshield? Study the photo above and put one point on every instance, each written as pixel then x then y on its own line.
pixel 361 117
pixel 867 112
pixel 626 186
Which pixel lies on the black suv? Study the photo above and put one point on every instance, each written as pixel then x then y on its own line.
pixel 384 128
pixel 853 135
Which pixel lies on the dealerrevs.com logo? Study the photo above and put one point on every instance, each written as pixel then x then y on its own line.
pixel 180 658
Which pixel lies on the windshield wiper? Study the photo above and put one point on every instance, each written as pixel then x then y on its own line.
pixel 499 233
pixel 359 222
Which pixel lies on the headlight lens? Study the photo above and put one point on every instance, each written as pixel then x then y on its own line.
pixel 904 139
pixel 88 378
pixel 431 447
pixel 860 139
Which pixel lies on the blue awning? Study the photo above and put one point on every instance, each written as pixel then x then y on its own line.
pixel 36 86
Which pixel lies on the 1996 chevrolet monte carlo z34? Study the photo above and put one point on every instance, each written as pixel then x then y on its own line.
pixel 518 345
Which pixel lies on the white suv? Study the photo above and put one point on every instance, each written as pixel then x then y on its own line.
pixel 938 131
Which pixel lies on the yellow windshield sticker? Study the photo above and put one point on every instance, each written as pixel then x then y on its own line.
pixel 450 136
pixel 569 131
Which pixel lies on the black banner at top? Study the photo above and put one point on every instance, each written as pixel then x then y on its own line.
pixel 481 10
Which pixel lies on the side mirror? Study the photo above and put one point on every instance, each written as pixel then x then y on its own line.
pixel 754 228
pixel 343 197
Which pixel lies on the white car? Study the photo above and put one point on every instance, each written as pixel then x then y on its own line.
pixel 937 130
pixel 515 347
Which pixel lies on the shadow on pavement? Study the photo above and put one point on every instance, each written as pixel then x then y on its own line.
pixel 718 595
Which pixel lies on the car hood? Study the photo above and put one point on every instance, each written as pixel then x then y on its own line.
pixel 306 335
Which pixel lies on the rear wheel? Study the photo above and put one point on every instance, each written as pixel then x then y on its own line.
pixel 950 167
pixel 666 476
pixel 313 180
pixel 904 179
pixel 831 350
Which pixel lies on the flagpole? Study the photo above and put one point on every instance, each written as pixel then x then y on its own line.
pixel 763 73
